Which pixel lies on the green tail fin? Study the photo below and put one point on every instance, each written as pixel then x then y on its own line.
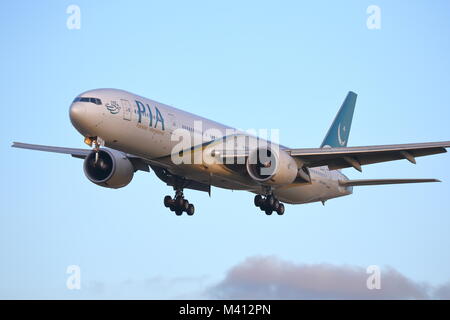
pixel 337 135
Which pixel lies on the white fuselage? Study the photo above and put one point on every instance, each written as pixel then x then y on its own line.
pixel 143 127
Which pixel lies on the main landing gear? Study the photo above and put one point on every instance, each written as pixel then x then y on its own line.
pixel 179 204
pixel 269 204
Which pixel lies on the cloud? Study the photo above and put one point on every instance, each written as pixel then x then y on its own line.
pixel 443 292
pixel 268 277
pixel 272 278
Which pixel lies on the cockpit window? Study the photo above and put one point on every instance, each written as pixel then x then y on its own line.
pixel 86 99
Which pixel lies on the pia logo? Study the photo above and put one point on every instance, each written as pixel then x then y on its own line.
pixel 113 107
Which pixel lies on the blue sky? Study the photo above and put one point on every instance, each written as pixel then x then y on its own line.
pixel 257 64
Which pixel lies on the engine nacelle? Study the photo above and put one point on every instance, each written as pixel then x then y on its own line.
pixel 112 169
pixel 271 166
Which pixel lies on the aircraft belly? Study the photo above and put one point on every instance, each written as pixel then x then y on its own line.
pixel 302 193
pixel 217 175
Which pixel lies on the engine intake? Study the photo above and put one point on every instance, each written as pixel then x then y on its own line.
pixel 271 166
pixel 111 169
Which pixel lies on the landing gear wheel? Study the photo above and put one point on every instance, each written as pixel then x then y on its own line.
pixel 258 200
pixel 269 201
pixel 179 202
pixel 185 205
pixel 269 204
pixel 276 205
pixel 167 201
pixel 280 209
pixel 190 210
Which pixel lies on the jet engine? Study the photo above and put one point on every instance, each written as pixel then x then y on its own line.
pixel 271 166
pixel 108 168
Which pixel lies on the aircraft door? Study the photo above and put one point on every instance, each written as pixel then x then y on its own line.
pixel 126 106
pixel 172 123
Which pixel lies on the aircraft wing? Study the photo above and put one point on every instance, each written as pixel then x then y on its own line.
pixel 77 153
pixel 376 182
pixel 338 158
pixel 138 163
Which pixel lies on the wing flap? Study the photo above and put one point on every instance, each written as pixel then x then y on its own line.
pixel 376 182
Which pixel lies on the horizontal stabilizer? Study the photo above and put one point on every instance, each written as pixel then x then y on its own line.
pixel 375 182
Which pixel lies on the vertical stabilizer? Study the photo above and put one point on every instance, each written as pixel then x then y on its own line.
pixel 337 135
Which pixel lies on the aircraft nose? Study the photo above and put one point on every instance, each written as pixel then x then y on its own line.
pixel 77 113
pixel 80 119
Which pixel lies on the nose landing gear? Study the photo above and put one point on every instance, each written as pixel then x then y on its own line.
pixel 179 204
pixel 269 204
pixel 94 142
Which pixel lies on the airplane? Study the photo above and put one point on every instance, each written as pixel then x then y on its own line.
pixel 127 133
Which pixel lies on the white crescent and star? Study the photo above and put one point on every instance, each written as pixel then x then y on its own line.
pixel 341 142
